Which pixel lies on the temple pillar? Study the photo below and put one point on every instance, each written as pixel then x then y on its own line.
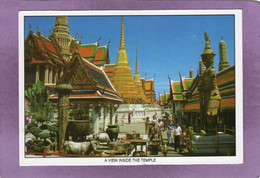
pixel 56 76
pixel 37 77
pixel 95 123
pixel 63 111
pixel 87 110
pixel 50 74
pixel 112 112
pixel 46 78
pixel 61 72
pixel 105 115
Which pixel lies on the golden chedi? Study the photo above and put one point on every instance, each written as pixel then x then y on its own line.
pixel 138 83
pixel 123 79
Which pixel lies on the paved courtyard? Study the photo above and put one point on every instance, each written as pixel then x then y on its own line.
pixel 140 128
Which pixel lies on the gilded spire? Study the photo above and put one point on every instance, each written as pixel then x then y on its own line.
pixel 223 58
pixel 123 79
pixel 136 66
pixel 191 73
pixel 122 39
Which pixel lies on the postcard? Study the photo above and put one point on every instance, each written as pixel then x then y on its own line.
pixel 149 87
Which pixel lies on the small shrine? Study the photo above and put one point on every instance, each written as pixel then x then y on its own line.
pixel 84 85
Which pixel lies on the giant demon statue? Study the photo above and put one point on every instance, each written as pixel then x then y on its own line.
pixel 211 98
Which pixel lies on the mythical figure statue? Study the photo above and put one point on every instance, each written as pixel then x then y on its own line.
pixel 211 98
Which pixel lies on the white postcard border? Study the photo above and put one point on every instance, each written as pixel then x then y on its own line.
pixel 101 161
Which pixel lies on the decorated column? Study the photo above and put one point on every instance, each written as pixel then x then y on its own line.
pixel 95 123
pixel 63 111
pixel 87 110
pixel 56 75
pixel 37 77
pixel 46 79
pixel 105 115
pixel 112 112
pixel 50 74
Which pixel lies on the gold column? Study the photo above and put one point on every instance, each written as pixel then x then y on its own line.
pixel 37 77
pixel 46 79
pixel 50 74
pixel 61 72
pixel 56 76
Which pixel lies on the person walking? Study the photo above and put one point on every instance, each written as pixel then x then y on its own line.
pixel 170 128
pixel 147 125
pixel 123 120
pixel 116 118
pixel 161 129
pixel 129 118
pixel 177 137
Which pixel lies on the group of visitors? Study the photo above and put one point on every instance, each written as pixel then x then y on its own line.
pixel 28 120
pixel 167 123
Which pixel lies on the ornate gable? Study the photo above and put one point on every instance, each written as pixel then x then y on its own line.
pixel 77 74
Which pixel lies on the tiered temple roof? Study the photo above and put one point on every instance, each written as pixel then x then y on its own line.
pixel 45 51
pixel 94 53
pixel 88 81
pixel 109 69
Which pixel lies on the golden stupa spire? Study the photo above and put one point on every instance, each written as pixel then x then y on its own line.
pixel 138 83
pixel 136 66
pixel 123 80
pixel 122 39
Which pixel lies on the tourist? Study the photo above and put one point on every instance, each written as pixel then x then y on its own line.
pixel 116 118
pixel 151 131
pixel 146 125
pixel 177 137
pixel 27 120
pixel 123 120
pixel 170 128
pixel 156 118
pixel 129 118
pixel 161 129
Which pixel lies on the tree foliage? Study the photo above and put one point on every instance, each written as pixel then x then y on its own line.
pixel 39 103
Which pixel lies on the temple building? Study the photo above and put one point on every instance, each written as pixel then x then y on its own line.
pixel 61 59
pixel 43 59
pixel 47 58
pixel 148 88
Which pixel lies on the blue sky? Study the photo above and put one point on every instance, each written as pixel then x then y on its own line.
pixel 167 45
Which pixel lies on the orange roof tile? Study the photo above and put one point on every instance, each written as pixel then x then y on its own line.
pixel 86 51
pixel 40 44
pixel 49 46
pixel 99 54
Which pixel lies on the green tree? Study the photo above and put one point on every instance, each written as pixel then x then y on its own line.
pixel 39 103
pixel 35 131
